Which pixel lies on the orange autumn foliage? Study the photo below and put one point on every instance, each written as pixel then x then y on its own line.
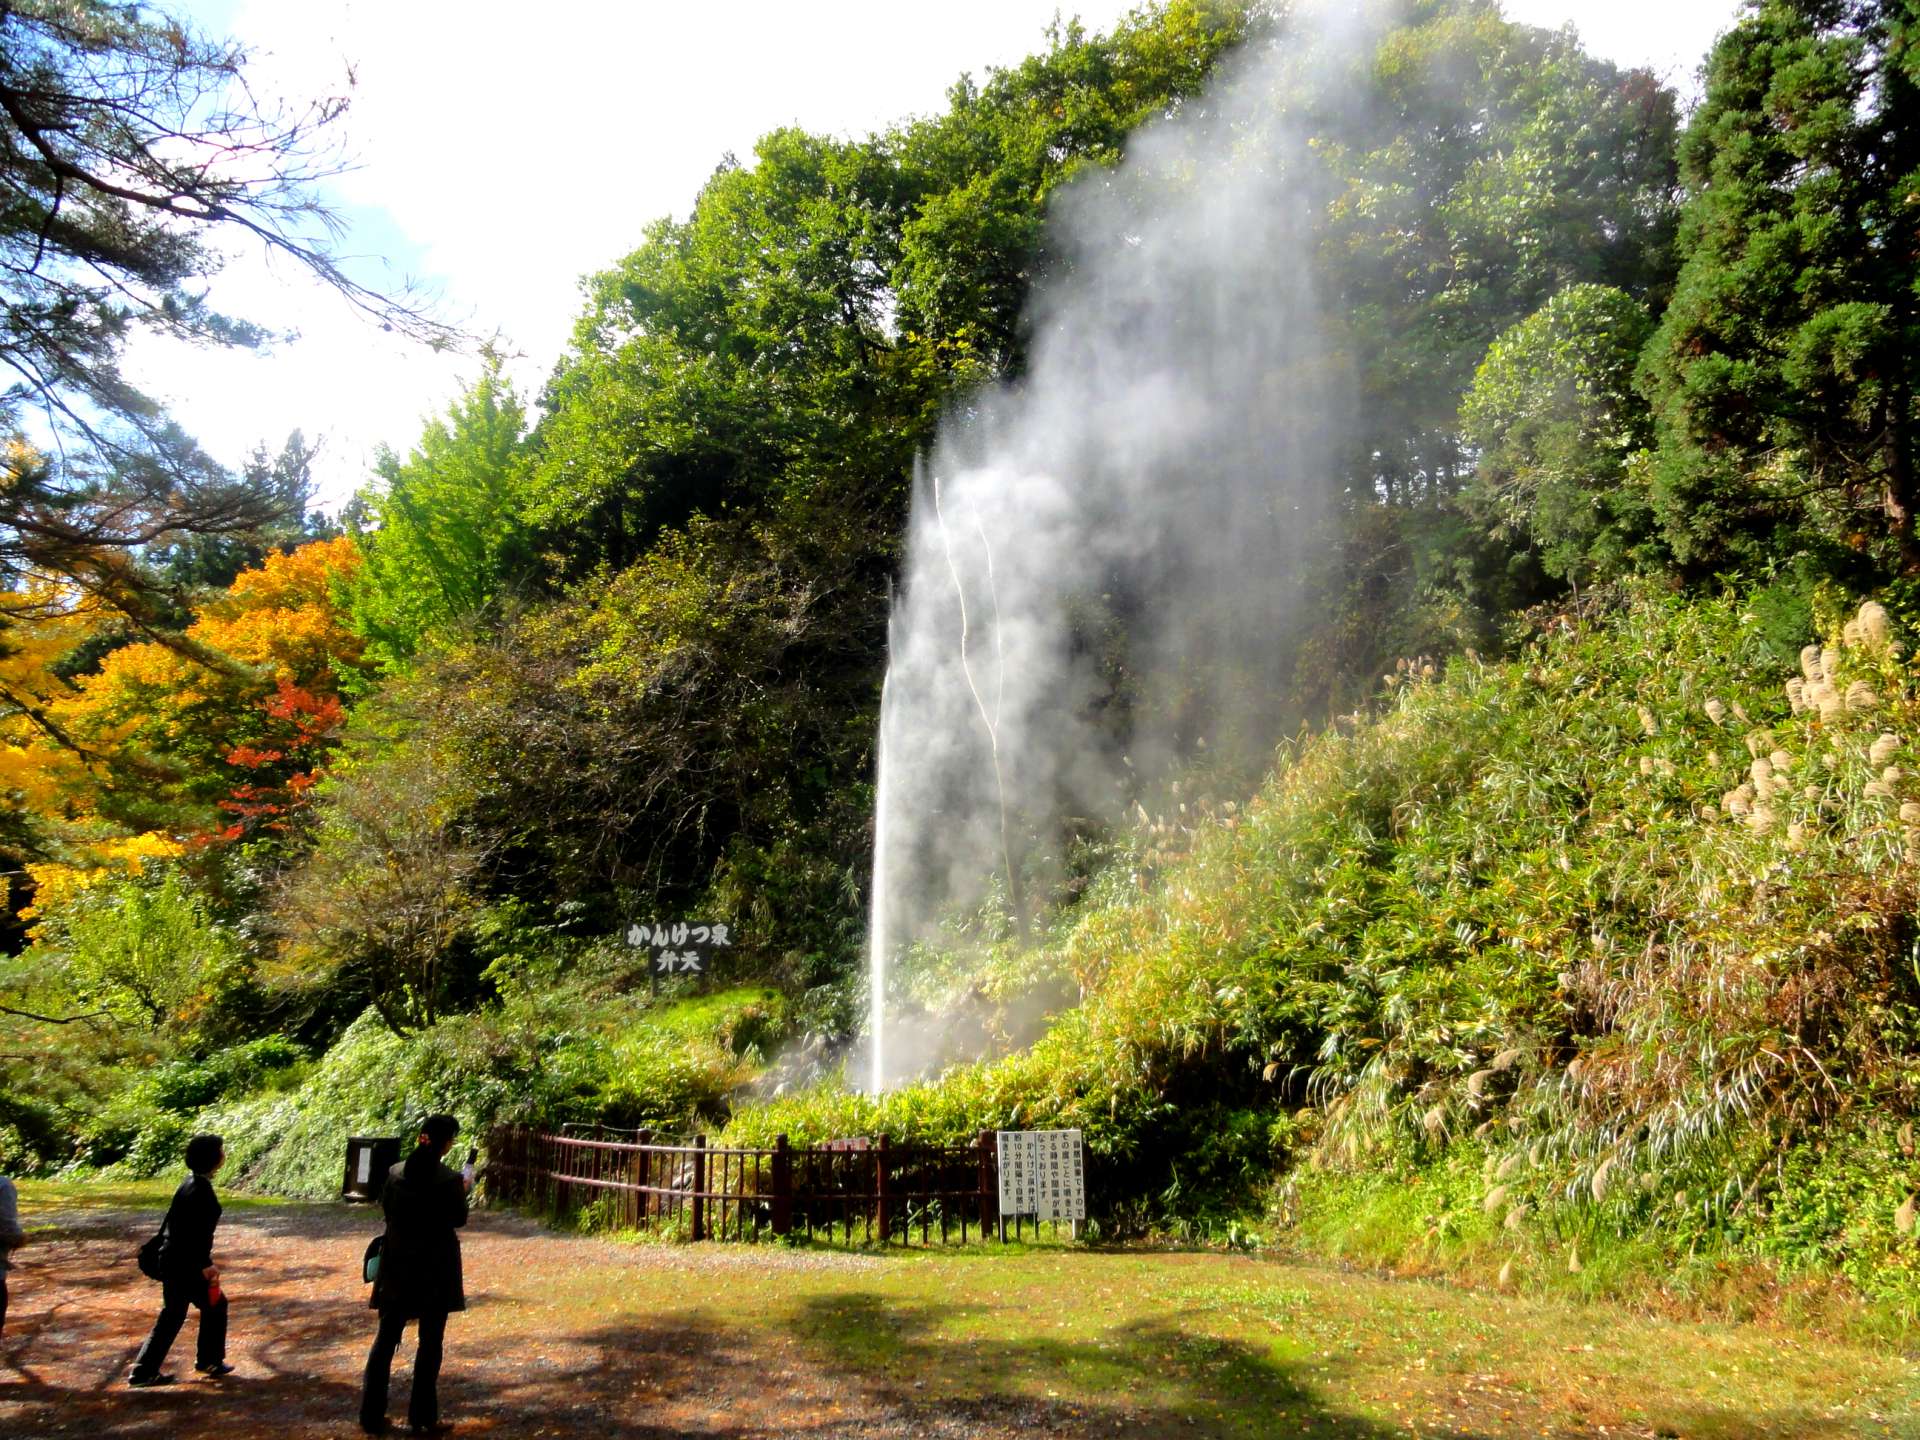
pixel 235 719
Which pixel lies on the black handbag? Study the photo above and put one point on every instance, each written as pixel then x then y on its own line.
pixel 149 1257
pixel 370 1262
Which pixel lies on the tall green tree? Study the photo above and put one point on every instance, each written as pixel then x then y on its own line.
pixel 1495 165
pixel 1782 375
pixel 1557 424
pixel 440 531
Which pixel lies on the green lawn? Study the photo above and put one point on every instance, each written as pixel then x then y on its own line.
pixel 1257 1347
pixel 69 1197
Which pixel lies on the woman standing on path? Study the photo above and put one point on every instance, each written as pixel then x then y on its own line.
pixel 188 1274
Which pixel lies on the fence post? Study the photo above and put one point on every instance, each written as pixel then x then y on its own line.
pixel 989 1183
pixel 699 1187
pixel 782 1187
pixel 881 1218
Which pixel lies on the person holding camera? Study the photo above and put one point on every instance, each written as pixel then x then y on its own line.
pixel 419 1275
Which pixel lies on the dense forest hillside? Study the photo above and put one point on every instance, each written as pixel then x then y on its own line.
pixel 1576 898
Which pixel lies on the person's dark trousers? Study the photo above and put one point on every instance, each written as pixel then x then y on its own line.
pixel 175 1297
pixel 423 1405
pixel 3 1302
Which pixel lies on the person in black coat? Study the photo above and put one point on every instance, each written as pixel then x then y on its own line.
pixel 419 1276
pixel 188 1275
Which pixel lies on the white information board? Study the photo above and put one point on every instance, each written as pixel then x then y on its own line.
pixel 1041 1174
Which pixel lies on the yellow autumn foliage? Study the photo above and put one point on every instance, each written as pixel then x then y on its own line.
pixel 56 883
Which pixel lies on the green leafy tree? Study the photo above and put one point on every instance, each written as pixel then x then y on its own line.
pixel 1782 373
pixel 739 354
pixel 1496 165
pixel 143 953
pixel 696 729
pixel 977 243
pixel 801 331
pixel 380 906
pixel 439 532
pixel 1556 423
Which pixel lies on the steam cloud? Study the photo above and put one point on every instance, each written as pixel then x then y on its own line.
pixel 1118 535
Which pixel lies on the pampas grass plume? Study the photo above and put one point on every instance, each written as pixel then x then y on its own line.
pixel 1872 628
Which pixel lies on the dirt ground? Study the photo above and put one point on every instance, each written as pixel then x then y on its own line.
pixel 574 1337
pixel 299 1330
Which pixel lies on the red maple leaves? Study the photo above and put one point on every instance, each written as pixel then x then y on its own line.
pixel 286 762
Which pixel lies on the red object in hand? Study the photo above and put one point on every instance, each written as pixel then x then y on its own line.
pixel 214 1293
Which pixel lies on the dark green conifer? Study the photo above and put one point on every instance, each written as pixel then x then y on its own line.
pixel 1782 375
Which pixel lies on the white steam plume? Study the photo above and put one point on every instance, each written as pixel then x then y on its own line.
pixel 1116 536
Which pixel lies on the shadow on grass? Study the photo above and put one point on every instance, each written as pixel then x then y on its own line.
pixel 1139 1377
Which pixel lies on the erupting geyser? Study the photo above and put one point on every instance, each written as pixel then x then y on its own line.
pixel 1102 558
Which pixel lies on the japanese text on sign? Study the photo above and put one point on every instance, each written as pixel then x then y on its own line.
pixel 1041 1174
pixel 679 947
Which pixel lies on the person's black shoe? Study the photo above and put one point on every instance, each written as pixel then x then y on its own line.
pixel 438 1427
pixel 215 1370
pixel 148 1382
pixel 382 1426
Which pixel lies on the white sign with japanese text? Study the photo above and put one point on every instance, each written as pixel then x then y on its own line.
pixel 679 947
pixel 1041 1174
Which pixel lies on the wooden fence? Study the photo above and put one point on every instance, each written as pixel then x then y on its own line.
pixel 852 1192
